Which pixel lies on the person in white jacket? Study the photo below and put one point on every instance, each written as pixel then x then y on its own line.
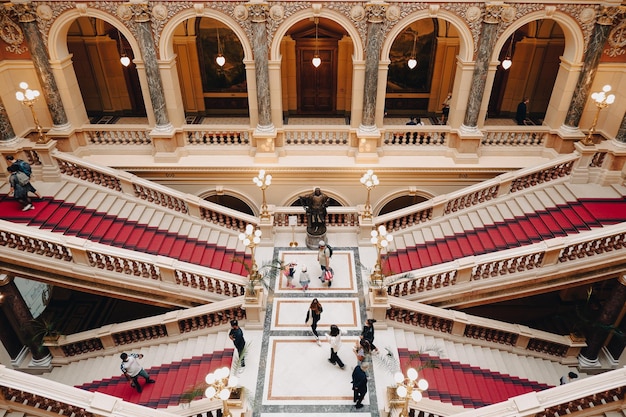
pixel 334 338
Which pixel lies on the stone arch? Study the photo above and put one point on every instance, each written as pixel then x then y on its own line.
pixel 290 200
pixel 380 204
pixel 466 44
pixel 342 20
pixel 166 45
pixel 248 201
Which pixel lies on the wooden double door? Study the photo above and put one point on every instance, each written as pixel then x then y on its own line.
pixel 317 87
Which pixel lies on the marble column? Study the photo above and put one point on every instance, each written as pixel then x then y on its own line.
pixel 16 310
pixel 7 135
pixel 258 16
pixel 486 43
pixel 590 67
pixel 375 35
pixel 153 75
pixel 39 56
pixel 621 132
pixel 610 313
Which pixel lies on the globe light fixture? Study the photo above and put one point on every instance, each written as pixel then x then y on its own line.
pixel 251 237
pixel 601 99
pixel 412 62
pixel 369 180
pixel 409 388
pixel 506 64
pixel 28 97
pixel 381 240
pixel 124 60
pixel 263 180
pixel 317 61
pixel 220 384
pixel 220 60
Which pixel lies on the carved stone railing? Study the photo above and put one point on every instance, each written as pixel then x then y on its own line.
pixel 539 265
pixel 222 135
pixel 463 328
pixel 316 135
pixel 516 136
pixel 593 395
pixel 416 136
pixel 79 261
pixel 165 328
pixel 117 135
pixel 472 196
pixel 336 216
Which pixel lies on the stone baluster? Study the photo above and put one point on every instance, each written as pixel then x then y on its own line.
pixel 486 43
pixel 611 311
pixel 27 18
pixel 258 12
pixel 590 66
pixel 141 16
pixel 7 134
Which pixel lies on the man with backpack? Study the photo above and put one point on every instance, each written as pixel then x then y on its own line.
pixel 19 187
pixel 323 257
pixel 23 167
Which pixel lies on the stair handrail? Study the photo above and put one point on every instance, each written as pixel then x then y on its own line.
pixel 604 391
pixel 169 327
pixel 95 259
pixel 550 252
pixel 336 216
pixel 473 195
pixel 465 328
pixel 162 196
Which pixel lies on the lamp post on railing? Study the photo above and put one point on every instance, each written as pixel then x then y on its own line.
pixel 601 100
pixel 380 239
pixel 250 238
pixel 263 181
pixel 409 388
pixel 220 384
pixel 28 97
pixel 369 180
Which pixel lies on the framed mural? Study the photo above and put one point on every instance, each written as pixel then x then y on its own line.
pixel 418 39
pixel 231 77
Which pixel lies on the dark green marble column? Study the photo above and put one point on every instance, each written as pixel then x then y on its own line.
pixel 258 16
pixel 6 130
pixel 375 26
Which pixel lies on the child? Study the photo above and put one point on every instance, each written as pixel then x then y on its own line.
pixel 304 279
pixel 290 272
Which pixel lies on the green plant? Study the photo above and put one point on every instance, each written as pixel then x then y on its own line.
pixel 380 281
pixel 262 275
pixel 43 328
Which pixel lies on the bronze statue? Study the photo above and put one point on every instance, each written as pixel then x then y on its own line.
pixel 315 206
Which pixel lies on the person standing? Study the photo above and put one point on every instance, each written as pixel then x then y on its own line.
pixel 334 338
pixel 520 115
pixel 305 280
pixel 19 189
pixel 236 335
pixel 359 385
pixel 132 369
pixel 323 257
pixel 569 377
pixel 368 333
pixel 445 109
pixel 411 122
pixel 290 273
pixel 314 313
pixel 363 353
pixel 24 167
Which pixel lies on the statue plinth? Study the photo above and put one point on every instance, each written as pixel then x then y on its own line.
pixel 312 241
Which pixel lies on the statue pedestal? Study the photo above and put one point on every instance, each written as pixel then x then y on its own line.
pixel 312 241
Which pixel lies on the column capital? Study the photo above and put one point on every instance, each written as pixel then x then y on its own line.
pixel 607 14
pixel 493 13
pixel 140 11
pixel 376 12
pixel 23 10
pixel 258 11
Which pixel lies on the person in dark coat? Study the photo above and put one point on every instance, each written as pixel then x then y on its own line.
pixel 236 335
pixel 368 333
pixel 520 115
pixel 359 385
pixel 20 192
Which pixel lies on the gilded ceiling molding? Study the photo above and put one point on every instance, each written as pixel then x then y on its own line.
pixel 617 40
pixel 11 33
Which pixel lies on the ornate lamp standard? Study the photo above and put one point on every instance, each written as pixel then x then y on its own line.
pixel 601 100
pixel 220 384
pixel 263 181
pixel 409 388
pixel 380 239
pixel 250 238
pixel 369 180
pixel 28 98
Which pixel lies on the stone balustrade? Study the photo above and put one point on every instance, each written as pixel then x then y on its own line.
pixel 336 216
pixel 517 136
pixel 403 136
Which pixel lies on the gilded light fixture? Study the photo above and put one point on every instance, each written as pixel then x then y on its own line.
pixel 220 384
pixel 263 181
pixel 601 99
pixel 28 97
pixel 369 180
pixel 409 388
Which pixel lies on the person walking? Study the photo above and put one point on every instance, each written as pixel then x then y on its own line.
pixel 132 369
pixel 304 279
pixel 334 338
pixel 236 335
pixel 24 167
pixel 359 385
pixel 19 187
pixel 314 313
pixel 363 353
pixel 290 273
pixel 368 333
pixel 323 257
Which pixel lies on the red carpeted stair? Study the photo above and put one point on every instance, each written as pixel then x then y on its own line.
pixel 69 219
pixel 561 220
pixel 172 380
pixel 462 384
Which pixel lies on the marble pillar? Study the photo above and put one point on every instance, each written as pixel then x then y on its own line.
pixel 488 37
pixel 258 16
pixel 590 66
pixel 375 36
pixel 41 61
pixel 21 319
pixel 153 75
pixel 621 132
pixel 610 313
pixel 7 135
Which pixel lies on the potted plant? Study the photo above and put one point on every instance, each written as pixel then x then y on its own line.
pixel 380 278
pixel 259 277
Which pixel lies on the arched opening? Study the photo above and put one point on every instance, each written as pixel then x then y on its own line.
pixel 534 50
pixel 109 89
pixel 231 202
pixel 401 202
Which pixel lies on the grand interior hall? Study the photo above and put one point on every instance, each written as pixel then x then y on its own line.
pixel 470 158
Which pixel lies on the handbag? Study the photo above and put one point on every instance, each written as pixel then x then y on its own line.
pixel 328 275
